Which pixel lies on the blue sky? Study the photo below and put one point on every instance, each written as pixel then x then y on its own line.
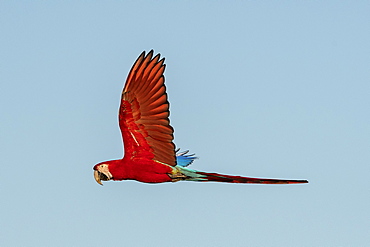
pixel 257 88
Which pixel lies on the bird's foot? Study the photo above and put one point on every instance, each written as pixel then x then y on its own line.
pixel 177 176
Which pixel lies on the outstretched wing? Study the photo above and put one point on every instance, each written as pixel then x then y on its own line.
pixel 144 112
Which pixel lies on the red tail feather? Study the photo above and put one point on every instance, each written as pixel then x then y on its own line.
pixel 237 179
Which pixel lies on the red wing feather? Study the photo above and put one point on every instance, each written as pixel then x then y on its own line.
pixel 144 112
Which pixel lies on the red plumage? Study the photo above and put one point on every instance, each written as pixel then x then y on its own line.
pixel 147 135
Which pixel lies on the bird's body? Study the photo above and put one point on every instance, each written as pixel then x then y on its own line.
pixel 149 172
pixel 150 154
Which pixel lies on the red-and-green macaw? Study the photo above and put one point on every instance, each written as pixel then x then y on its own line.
pixel 150 154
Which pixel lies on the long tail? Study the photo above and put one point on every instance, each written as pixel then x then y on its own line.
pixel 198 176
pixel 215 177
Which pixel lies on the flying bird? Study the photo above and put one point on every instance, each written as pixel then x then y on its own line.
pixel 150 155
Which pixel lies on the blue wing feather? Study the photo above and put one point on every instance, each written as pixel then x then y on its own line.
pixel 183 159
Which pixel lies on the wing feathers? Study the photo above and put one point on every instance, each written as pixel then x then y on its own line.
pixel 134 67
pixel 144 111
pixel 156 89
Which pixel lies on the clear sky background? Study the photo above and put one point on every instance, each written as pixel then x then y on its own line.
pixel 276 89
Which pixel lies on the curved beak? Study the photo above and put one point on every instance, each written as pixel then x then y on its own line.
pixel 102 174
pixel 97 177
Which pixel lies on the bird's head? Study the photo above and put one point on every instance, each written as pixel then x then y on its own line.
pixel 101 172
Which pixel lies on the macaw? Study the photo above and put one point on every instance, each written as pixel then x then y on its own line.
pixel 150 155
